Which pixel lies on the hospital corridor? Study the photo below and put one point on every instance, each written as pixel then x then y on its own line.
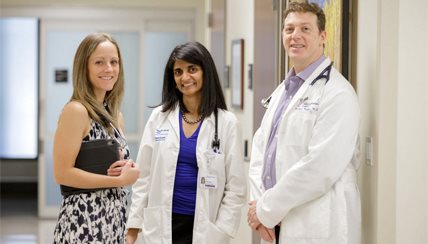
pixel 372 71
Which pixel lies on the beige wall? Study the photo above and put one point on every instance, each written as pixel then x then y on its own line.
pixel 366 67
pixel 239 24
pixel 392 87
pixel 412 109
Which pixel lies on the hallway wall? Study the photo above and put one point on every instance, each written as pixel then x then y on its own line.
pixel 365 68
pixel 412 111
pixel 392 88
pixel 237 28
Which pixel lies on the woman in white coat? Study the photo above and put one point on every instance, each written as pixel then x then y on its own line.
pixel 192 184
pixel 314 198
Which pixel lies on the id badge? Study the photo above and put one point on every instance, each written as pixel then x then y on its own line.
pixel 209 182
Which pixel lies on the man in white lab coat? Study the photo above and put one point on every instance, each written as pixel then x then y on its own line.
pixel 304 156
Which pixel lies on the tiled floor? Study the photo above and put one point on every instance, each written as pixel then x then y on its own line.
pixel 19 223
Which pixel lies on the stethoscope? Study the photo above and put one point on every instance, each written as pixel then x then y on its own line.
pixel 325 74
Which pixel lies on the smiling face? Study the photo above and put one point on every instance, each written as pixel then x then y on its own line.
pixel 302 40
pixel 103 69
pixel 188 78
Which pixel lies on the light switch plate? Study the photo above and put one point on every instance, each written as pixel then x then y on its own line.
pixel 369 151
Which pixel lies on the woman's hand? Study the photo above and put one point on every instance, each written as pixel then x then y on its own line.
pixel 116 168
pixel 131 236
pixel 129 173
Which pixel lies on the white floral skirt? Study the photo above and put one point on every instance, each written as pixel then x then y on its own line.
pixel 93 217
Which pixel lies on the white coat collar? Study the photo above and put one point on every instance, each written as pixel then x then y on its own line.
pixel 173 120
pixel 300 93
pixel 277 94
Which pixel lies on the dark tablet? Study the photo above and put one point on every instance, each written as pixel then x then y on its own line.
pixel 95 156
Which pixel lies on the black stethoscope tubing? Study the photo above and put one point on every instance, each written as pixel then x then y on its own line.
pixel 325 74
pixel 215 145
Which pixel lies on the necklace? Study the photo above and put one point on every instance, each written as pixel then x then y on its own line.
pixel 191 122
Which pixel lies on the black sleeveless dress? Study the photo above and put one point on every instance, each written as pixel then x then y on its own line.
pixel 94 217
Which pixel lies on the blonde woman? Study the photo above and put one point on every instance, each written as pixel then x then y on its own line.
pixel 96 215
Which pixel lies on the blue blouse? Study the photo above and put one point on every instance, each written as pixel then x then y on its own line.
pixel 186 173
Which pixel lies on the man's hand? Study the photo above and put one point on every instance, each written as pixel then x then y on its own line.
pixel 266 234
pixel 252 219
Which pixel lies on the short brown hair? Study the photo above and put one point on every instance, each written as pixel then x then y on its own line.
pixel 306 7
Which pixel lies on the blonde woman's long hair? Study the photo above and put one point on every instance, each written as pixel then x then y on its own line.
pixel 82 87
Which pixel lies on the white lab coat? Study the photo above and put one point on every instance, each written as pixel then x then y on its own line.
pixel 316 197
pixel 218 211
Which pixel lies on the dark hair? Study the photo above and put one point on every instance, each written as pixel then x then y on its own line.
pixel 306 7
pixel 212 93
